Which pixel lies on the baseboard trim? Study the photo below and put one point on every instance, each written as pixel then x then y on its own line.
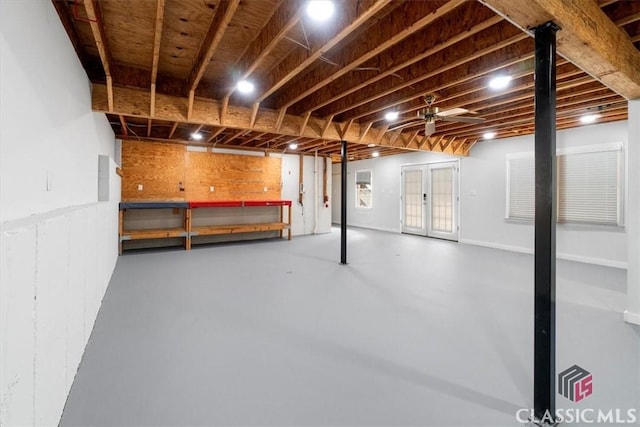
pixel 565 256
pixel 519 249
pixel 631 317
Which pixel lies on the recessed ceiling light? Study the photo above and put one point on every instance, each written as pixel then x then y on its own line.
pixel 320 10
pixel 499 82
pixel 589 118
pixel 391 115
pixel 375 154
pixel 245 86
pixel 196 135
pixel 293 146
pixel 489 135
pixel 371 145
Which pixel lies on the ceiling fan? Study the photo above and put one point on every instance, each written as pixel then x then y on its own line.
pixel 430 114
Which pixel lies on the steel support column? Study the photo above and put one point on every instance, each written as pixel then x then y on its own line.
pixel 343 204
pixel 545 224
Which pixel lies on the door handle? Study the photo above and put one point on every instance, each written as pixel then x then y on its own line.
pixel 424 197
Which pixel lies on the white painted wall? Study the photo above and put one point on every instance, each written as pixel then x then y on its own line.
pixel 303 220
pixel 483 198
pixel 385 180
pixel 632 313
pixel 58 243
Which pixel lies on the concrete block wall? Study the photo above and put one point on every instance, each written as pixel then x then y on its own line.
pixel 58 242
pixel 54 272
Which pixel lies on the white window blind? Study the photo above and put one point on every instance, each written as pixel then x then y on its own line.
pixel 520 187
pixel 589 187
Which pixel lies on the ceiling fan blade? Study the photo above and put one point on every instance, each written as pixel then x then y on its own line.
pixel 397 126
pixel 429 128
pixel 461 119
pixel 453 112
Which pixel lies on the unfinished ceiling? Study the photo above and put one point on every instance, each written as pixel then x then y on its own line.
pixel 167 69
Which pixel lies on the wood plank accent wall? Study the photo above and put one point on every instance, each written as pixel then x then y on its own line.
pixel 165 169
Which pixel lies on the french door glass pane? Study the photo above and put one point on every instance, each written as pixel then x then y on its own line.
pixel 413 199
pixel 442 199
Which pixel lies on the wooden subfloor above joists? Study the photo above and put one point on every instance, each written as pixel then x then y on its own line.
pixel 136 103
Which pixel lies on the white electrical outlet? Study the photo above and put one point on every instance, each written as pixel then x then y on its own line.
pixel 265 189
pixel 140 187
pixel 212 188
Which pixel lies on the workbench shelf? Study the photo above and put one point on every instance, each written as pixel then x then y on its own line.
pixel 188 231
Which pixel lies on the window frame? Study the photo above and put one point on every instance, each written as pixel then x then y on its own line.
pixel 620 182
pixel 358 190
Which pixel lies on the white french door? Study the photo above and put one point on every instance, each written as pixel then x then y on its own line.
pixel 413 200
pixel 430 200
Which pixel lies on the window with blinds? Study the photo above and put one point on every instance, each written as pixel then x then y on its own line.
pixel 590 185
pixel 520 187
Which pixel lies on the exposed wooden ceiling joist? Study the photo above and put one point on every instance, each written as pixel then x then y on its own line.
pixel 588 38
pixel 354 15
pixel 376 39
pixel 157 37
pixel 134 102
pixel 94 17
pixel 218 26
pixel 283 20
pixel 170 66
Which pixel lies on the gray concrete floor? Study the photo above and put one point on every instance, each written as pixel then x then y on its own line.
pixel 414 331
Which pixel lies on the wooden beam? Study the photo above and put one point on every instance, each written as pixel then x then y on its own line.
pixel 467 53
pixel 347 127
pixel 135 102
pixel 157 36
pixel 219 24
pixel 232 136
pixel 588 38
pixel 395 136
pixel 397 62
pixel 215 133
pixel 253 138
pixel 123 125
pixel 254 114
pixel 67 22
pixel 149 127
pixel 305 121
pixel 280 120
pixel 410 18
pixel 353 16
pixel 469 146
pixel 173 130
pixel 475 98
pixel 281 22
pixel 223 110
pixel 326 126
pixel 414 135
pixel 457 147
pixel 94 16
pixel 381 133
pixel 364 131
pixel 447 144
pixel 425 140
pixel 628 20
pixel 604 3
